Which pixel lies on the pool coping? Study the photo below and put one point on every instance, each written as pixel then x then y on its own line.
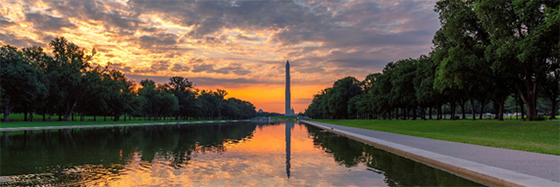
pixel 112 125
pixel 481 173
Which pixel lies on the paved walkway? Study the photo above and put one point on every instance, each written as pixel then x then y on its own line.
pixel 534 164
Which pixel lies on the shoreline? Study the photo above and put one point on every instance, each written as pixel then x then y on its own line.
pixel 9 129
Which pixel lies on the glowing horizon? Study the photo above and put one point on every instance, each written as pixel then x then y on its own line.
pixel 239 46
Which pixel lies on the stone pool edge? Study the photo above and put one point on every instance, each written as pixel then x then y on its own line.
pixel 481 173
pixel 112 125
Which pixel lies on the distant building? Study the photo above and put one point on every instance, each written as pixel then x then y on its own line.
pixel 260 111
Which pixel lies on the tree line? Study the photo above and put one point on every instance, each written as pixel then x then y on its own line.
pixel 486 52
pixel 69 85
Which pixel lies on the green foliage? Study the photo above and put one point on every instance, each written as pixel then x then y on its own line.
pixel 21 83
pixel 69 84
pixel 333 102
pixel 524 39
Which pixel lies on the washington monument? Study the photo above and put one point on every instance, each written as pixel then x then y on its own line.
pixel 288 111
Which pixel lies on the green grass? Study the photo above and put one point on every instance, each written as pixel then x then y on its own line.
pixel 18 121
pixel 538 136
pixel 18 117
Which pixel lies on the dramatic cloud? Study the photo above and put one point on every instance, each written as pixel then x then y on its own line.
pixel 232 43
pixel 48 23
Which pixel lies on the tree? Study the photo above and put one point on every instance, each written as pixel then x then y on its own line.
pixel 183 89
pixel 355 106
pixel 119 98
pixel 382 91
pixel 342 91
pixel 70 72
pixel 464 68
pixel 369 82
pixel 402 91
pixel 148 93
pixel 551 86
pixel 524 35
pixel 20 81
pixel 316 108
pixel 38 59
pixel 212 103
pixel 424 84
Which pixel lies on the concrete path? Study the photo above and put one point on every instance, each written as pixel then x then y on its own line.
pixel 500 161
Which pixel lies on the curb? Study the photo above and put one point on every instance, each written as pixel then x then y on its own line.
pixel 484 174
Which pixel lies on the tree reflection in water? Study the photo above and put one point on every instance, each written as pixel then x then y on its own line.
pixel 398 171
pixel 101 150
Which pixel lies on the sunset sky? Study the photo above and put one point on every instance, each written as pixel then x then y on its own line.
pixel 240 46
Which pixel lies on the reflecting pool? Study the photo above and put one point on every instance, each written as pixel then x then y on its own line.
pixel 227 154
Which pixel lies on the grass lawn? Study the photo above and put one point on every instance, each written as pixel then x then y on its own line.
pixel 539 136
pixel 74 123
pixel 16 120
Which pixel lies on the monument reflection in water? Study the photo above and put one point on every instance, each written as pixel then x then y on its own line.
pixel 288 126
pixel 230 154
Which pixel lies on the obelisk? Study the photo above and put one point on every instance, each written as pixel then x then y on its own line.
pixel 288 100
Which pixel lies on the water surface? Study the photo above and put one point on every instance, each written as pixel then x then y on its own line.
pixel 228 154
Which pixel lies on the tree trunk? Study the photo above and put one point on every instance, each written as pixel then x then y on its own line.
pixel 405 112
pixel 69 109
pixel 31 116
pixel 496 104
pixel 429 112
pixel 472 110
pixel 414 113
pixel 453 106
pixel 463 110
pixel 501 108
pixel 482 105
pixel 25 114
pixel 530 96
pixel 60 114
pixel 7 113
pixel 553 113
pixel 423 113
pixel 521 106
pixel 116 117
pixel 83 114
pixel 439 113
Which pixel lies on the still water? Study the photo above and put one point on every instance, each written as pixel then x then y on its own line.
pixel 227 154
